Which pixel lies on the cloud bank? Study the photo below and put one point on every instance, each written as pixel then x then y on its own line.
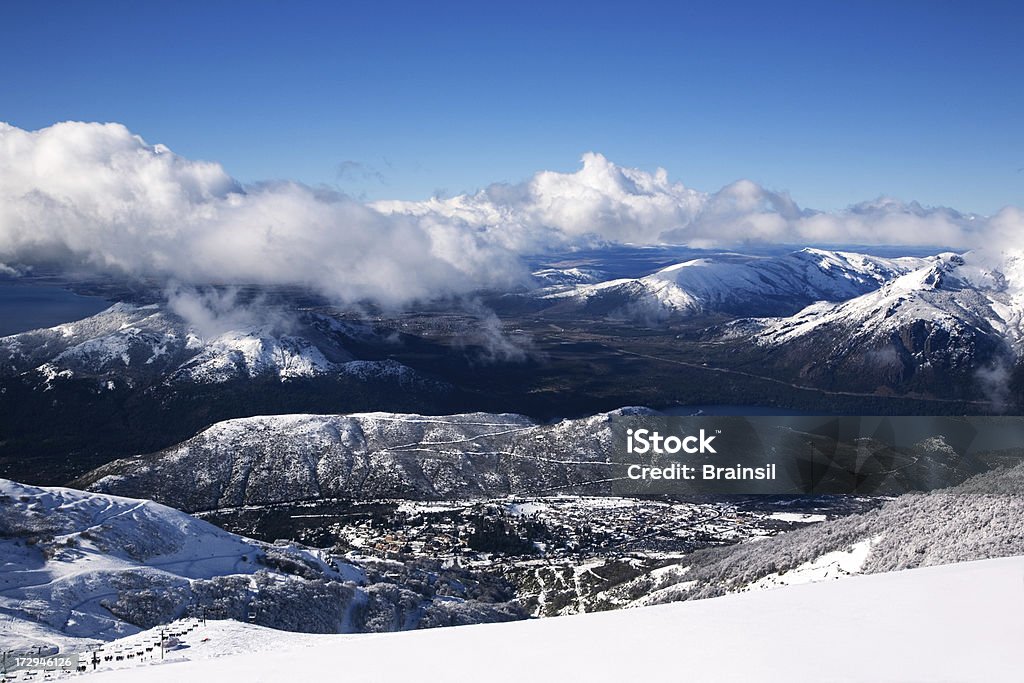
pixel 96 196
pixel 603 201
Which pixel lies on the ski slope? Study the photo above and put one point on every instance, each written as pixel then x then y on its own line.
pixel 951 623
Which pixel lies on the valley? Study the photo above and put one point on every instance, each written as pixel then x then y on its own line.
pixel 562 554
pixel 140 377
pixel 455 463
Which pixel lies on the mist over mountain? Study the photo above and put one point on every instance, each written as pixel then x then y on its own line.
pixel 99 198
pixel 835 331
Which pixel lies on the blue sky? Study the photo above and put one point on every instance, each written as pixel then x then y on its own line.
pixel 919 100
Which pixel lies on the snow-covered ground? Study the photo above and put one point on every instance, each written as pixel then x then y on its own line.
pixel 77 568
pixel 798 517
pixel 68 559
pixel 367 456
pixel 834 565
pixel 951 623
pixel 733 282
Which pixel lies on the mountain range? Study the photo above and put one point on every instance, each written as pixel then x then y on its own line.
pixel 372 456
pixel 737 284
pixel 137 344
pixel 955 320
pixel 787 329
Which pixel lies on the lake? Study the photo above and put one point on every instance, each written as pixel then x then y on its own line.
pixel 738 411
pixel 31 305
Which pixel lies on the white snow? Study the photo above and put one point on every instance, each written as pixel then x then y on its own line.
pixel 797 517
pixel 834 565
pixel 951 623
pixel 252 352
pixel 561 277
pixel 126 339
pixel 959 293
pixel 706 284
pixel 64 552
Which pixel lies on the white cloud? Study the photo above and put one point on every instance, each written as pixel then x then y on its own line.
pixel 99 196
pixel 600 202
pixel 603 201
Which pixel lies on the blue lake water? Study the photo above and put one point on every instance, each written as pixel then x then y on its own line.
pixel 28 306
pixel 740 411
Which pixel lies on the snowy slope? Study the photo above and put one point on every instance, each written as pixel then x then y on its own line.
pixel 368 456
pixel 278 458
pixel 132 344
pixel 956 313
pixel 952 623
pixel 68 559
pixel 953 292
pixel 978 519
pixel 77 565
pixel 737 284
pixel 554 277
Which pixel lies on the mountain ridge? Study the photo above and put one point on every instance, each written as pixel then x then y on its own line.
pixel 740 285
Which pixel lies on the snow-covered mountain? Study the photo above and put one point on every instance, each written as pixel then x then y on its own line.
pixel 128 343
pixel 553 277
pixel 367 456
pixel 77 565
pixel 370 456
pixel 137 378
pixel 741 285
pixel 955 316
pixel 955 623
